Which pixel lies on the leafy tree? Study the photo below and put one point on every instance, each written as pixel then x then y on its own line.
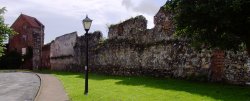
pixel 5 31
pixel 11 60
pixel 223 24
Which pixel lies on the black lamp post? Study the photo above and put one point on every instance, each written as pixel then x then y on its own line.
pixel 86 24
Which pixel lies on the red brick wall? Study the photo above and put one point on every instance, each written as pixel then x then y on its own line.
pixel 217 65
pixel 46 56
pixel 17 42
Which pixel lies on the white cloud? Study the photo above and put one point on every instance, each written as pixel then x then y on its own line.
pixel 64 16
pixel 149 7
pixel 128 4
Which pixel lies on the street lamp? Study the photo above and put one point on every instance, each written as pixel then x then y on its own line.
pixel 86 24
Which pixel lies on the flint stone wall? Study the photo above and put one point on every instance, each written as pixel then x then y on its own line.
pixel 68 51
pixel 131 49
pixel 62 52
pixel 237 68
pixel 163 59
pixel 155 52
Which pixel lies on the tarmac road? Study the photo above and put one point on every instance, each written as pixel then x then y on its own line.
pixel 18 86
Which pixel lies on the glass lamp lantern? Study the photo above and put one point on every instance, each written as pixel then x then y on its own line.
pixel 86 23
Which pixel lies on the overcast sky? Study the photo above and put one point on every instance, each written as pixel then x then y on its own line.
pixel 65 16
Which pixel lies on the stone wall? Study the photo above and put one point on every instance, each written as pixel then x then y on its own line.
pixel 237 67
pixel 68 51
pixel 131 49
pixel 37 49
pixel 171 58
pixel 130 29
pixel 156 52
pixel 80 50
pixel 135 29
pixel 62 51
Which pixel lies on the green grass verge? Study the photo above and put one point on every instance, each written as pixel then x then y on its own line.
pixel 117 88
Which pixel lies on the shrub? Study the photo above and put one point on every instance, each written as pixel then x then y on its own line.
pixel 11 60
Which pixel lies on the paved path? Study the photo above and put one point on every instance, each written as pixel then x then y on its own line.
pixel 51 89
pixel 18 86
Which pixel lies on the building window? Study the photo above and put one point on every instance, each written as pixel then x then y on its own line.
pixel 25 27
pixel 24 51
pixel 24 38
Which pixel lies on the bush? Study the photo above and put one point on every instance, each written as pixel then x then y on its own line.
pixel 11 60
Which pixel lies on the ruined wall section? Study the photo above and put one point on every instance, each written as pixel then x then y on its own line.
pixel 62 51
pixel 80 48
pixel 163 59
pixel 163 29
pixel 68 51
pixel 176 59
pixel 131 49
pixel 135 29
pixel 131 29
pixel 156 52
pixel 115 57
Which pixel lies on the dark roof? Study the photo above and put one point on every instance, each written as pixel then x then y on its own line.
pixel 32 21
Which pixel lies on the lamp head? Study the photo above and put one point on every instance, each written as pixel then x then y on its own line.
pixel 86 23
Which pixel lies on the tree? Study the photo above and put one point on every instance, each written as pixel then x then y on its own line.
pixel 223 24
pixel 5 31
pixel 11 60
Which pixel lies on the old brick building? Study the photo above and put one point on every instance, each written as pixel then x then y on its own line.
pixel 29 41
pixel 46 56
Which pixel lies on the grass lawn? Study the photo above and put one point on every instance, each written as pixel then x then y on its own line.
pixel 117 88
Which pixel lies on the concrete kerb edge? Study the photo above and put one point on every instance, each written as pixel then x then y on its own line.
pixel 40 87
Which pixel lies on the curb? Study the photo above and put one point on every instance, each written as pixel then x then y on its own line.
pixel 40 87
pixel 42 94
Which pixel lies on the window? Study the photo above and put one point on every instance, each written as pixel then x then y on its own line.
pixel 24 51
pixel 25 27
pixel 24 38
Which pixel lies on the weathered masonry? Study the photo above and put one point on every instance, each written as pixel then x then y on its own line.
pixel 132 49
pixel 67 51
